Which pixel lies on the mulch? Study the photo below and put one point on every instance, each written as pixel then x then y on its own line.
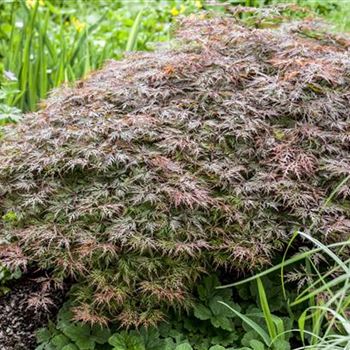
pixel 18 321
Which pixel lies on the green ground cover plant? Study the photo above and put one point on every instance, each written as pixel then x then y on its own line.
pixel 209 326
pixel 307 309
pixel 334 11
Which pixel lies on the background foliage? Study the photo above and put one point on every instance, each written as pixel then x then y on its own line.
pixel 46 43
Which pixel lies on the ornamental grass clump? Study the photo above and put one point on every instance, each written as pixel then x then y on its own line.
pixel 166 166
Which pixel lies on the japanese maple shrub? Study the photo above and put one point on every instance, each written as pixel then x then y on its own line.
pixel 166 166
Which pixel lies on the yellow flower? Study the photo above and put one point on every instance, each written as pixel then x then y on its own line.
pixel 198 4
pixel 30 3
pixel 79 26
pixel 174 11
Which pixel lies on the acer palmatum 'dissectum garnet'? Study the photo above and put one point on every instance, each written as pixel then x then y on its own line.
pixel 166 166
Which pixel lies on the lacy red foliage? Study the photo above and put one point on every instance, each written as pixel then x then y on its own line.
pixel 167 165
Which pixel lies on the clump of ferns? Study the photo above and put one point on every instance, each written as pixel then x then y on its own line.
pixel 167 166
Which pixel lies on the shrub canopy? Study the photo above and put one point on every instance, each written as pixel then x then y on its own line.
pixel 166 166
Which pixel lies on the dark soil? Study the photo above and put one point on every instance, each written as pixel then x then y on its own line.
pixel 18 320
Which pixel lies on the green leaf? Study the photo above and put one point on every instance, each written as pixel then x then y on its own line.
pixel 266 309
pixel 131 44
pixel 169 344
pixel 184 346
pixel 217 347
pixel 41 347
pixel 17 273
pixel 60 341
pixel 225 339
pixel 100 334
pixel 202 312
pixel 248 336
pixel 65 315
pixel 208 287
pixel 50 346
pixel 219 309
pixel 281 344
pixel 221 322
pixel 151 339
pixel 85 343
pixel 76 332
pixel 124 341
pixel 301 324
pixel 43 335
pixel 257 345
pixel 70 347
pixel 252 324
pixel 118 341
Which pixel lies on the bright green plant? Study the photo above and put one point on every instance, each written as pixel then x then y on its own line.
pixel 44 50
pixel 323 320
pixel 209 307
pixel 6 276
pixel 328 297
pixel 67 335
pixel 273 335
pixel 202 329
pixel 8 114
pixel 45 44
pixel 335 11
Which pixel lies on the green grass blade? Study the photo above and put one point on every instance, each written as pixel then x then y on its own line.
pixel 83 38
pixel 251 323
pixel 326 250
pixel 319 290
pixel 266 309
pixel 132 39
pixel 289 261
pixel 301 323
pixel 26 64
pixel 43 78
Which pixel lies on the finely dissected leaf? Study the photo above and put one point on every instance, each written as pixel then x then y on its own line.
pixel 165 167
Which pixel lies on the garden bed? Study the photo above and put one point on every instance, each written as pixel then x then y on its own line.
pixel 25 309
